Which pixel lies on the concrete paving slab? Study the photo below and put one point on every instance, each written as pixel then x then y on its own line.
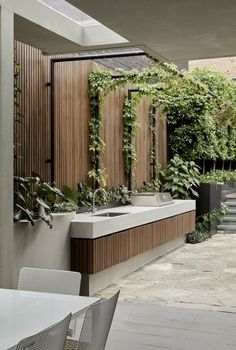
pixel 153 326
pixel 196 276
pixel 184 300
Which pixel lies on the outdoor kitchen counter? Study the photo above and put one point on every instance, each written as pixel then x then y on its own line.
pixel 91 226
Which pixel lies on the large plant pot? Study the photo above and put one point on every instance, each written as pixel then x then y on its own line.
pixel 39 246
pixel 210 197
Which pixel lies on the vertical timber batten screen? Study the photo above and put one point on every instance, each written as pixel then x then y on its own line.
pixel 72 114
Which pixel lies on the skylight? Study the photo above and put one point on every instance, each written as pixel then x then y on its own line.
pixel 70 11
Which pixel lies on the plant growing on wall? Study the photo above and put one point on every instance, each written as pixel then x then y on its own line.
pixel 164 84
pixel 131 126
pixel 205 128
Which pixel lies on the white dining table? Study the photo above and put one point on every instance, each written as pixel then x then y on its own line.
pixel 24 313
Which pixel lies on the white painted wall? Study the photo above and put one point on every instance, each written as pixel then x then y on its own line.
pixel 6 146
pixel 39 246
pixel 49 31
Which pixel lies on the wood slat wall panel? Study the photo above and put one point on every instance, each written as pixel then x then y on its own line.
pixel 143 141
pixel 71 123
pixel 112 133
pixel 113 249
pixel 162 142
pixel 33 133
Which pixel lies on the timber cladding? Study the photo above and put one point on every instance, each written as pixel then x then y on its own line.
pixel 72 115
pixel 93 255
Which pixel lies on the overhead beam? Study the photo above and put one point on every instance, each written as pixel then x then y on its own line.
pixel 52 32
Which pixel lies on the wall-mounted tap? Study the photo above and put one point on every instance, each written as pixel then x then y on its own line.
pixel 94 196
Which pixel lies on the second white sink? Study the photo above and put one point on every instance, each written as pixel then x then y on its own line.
pixel 110 214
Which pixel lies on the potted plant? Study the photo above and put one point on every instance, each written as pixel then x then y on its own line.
pixel 214 186
pixel 41 237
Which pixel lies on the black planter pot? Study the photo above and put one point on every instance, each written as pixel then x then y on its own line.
pixel 210 197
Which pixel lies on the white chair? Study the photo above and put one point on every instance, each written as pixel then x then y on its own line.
pixel 52 338
pixel 96 326
pixel 49 281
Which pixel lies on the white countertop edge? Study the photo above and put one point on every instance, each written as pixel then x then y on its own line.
pixel 88 226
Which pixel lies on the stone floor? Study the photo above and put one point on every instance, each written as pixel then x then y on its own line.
pixel 201 276
pixel 141 326
pixel 185 300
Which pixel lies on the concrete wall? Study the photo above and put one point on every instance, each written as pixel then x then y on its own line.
pixel 39 246
pixel 6 146
pixel 226 65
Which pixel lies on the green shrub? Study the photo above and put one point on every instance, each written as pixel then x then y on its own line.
pixel 218 176
pixel 204 128
pixel 197 237
pixel 181 178
pixel 205 225
pixel 206 222
pixel 64 207
pixel 84 196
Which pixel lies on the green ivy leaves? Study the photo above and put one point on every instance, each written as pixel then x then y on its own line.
pixel 180 95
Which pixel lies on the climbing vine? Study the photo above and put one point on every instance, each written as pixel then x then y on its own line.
pixel 167 87
pixel 131 126
pixel 204 130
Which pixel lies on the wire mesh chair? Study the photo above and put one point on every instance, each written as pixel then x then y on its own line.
pixel 52 338
pixel 96 325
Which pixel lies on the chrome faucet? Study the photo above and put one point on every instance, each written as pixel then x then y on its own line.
pixel 94 196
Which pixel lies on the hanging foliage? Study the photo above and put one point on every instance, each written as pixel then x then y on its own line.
pixel 200 124
pixel 131 126
pixel 222 110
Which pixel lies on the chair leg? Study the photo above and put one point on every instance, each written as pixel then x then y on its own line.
pixel 71 344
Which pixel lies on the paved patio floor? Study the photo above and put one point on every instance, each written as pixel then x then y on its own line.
pixel 184 300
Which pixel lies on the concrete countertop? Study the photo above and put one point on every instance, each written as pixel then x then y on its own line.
pixel 87 225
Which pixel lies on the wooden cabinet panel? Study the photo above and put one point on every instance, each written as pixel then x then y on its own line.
pixel 94 255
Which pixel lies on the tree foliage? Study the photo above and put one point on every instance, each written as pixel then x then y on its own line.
pixel 205 128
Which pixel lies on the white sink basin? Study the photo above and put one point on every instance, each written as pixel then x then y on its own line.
pixel 110 214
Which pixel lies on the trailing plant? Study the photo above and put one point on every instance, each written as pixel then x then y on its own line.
pixel 34 199
pixel 181 178
pixel 218 176
pixel 163 83
pixel 206 224
pixel 208 221
pixel 99 85
pixel 131 126
pixel 204 129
